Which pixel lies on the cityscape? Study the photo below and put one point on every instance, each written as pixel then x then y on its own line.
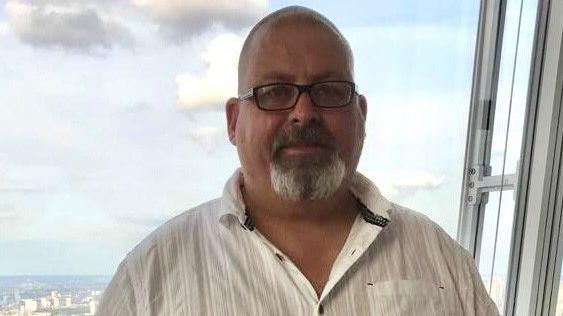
pixel 51 295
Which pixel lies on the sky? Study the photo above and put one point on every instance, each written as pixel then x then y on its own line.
pixel 112 119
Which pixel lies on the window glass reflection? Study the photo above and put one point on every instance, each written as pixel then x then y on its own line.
pixel 495 246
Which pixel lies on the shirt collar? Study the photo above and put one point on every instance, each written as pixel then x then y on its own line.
pixel 374 207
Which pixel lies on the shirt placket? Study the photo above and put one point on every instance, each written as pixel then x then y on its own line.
pixel 362 235
pixel 303 285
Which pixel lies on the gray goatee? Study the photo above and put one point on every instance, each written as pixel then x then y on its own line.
pixel 306 178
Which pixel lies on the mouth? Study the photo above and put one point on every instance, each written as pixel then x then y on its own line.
pixel 303 149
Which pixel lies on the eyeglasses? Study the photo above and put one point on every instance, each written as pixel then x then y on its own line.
pixel 284 96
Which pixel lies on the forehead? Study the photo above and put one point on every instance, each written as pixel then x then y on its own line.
pixel 296 52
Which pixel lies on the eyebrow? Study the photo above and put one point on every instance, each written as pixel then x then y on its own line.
pixel 278 76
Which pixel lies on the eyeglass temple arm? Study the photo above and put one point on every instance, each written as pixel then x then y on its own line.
pixel 246 95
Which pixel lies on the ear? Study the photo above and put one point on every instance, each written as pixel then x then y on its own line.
pixel 362 102
pixel 231 109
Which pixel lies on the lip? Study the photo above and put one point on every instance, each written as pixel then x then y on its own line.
pixel 303 149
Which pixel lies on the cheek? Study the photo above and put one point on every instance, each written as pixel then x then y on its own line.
pixel 348 132
pixel 255 135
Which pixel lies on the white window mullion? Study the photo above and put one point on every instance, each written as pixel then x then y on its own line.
pixel 481 118
pixel 537 212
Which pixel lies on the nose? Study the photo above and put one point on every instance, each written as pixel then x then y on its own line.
pixel 304 111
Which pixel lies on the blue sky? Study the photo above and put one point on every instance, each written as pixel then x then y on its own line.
pixel 102 137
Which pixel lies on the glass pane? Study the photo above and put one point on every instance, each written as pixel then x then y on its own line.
pixel 559 304
pixel 495 246
pixel 513 85
pixel 413 72
pixel 103 138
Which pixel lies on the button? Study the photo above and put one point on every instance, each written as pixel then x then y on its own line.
pixel 321 309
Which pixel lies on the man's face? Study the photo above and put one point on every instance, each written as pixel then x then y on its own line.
pixel 306 144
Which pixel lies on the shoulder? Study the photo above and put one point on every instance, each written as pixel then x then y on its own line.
pixel 450 260
pixel 153 262
pixel 415 228
pixel 180 229
pixel 406 223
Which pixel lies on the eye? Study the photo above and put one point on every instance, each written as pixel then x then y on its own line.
pixel 331 93
pixel 276 92
pixel 275 97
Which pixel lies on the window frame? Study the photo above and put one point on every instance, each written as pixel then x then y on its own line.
pixel 537 233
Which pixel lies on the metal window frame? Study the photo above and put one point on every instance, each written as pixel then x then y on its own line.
pixel 477 178
pixel 526 160
pixel 480 123
pixel 535 262
pixel 553 276
pixel 537 242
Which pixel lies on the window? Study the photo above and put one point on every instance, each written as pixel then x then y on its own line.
pixel 500 96
pixel 527 220
pixel 108 132
pixel 495 253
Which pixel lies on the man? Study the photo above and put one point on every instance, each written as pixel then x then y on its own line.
pixel 297 231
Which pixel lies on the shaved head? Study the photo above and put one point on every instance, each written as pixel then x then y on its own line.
pixel 288 15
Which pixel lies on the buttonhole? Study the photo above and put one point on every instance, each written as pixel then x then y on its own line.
pixel 369 283
pixel 353 251
pixel 441 287
pixel 279 256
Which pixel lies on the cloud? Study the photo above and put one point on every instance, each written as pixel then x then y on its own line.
pixel 69 25
pixel 4 29
pixel 24 178
pixel 416 179
pixel 7 213
pixel 144 220
pixel 407 182
pixel 20 189
pixel 206 137
pixel 211 89
pixel 180 20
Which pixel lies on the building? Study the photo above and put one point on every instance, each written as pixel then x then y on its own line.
pixel 28 306
pixel 55 294
pixel 44 303
pixel 55 302
pixel 92 307
pixel 67 301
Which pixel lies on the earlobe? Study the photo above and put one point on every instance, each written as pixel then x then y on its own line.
pixel 231 109
pixel 362 102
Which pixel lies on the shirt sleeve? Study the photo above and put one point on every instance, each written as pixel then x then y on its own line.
pixel 119 296
pixel 477 300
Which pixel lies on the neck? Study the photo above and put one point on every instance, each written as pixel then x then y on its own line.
pixel 265 205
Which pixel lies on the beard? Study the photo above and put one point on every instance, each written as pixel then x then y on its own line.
pixel 300 178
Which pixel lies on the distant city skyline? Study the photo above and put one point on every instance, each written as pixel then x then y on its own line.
pixel 47 295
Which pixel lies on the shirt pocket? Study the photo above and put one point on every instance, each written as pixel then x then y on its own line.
pixel 411 297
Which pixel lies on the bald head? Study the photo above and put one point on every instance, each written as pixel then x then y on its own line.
pixel 293 15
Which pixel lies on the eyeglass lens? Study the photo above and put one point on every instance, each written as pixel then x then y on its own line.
pixel 284 96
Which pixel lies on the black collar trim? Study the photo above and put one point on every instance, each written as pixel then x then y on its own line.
pixel 370 217
pixel 248 222
pixel 366 213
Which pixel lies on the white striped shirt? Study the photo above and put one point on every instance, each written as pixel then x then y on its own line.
pixel 211 261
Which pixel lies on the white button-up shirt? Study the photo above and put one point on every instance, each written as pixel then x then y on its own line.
pixel 211 261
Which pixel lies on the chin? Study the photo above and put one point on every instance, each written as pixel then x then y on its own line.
pixel 307 180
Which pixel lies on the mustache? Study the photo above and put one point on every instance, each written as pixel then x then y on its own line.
pixel 312 133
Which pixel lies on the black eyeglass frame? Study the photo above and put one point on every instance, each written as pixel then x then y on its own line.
pixel 251 93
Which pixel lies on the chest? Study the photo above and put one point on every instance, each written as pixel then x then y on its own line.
pixel 266 285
